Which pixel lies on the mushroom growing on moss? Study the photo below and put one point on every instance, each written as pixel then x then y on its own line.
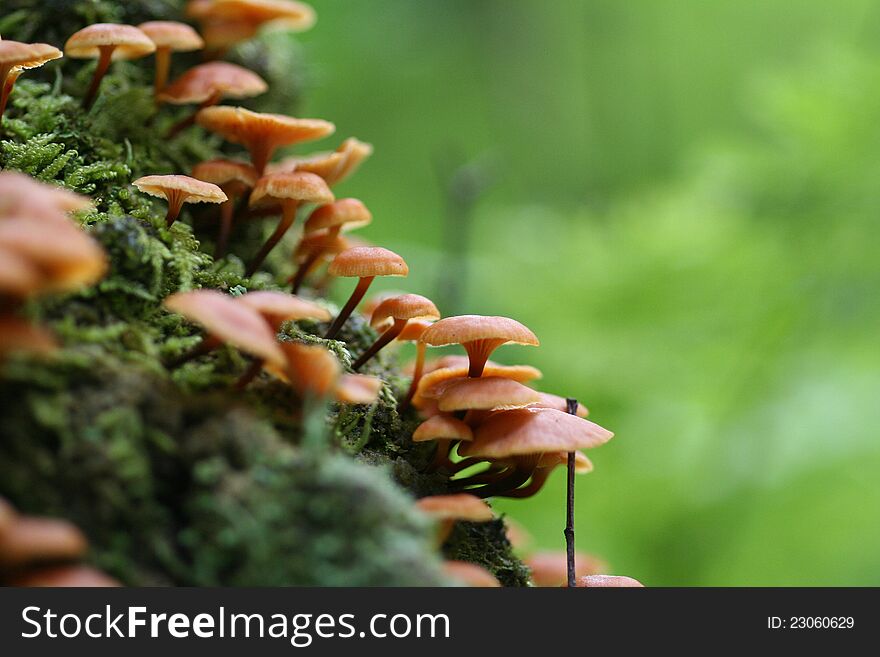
pixel 15 58
pixel 365 263
pixel 327 247
pixel 235 179
pixel 178 190
pixel 432 383
pixel 169 37
pixel 449 509
pixel 334 166
pixel 394 314
pixel 446 430
pixel 479 335
pixel 290 190
pixel 21 195
pixel 106 42
pixel 261 134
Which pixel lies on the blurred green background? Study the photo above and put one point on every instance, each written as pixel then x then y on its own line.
pixel 681 199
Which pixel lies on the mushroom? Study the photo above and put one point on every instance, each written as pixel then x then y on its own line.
pixel 608 582
pixel 206 85
pixel 261 134
pixel 559 403
pixel 66 258
pixel 169 37
pixel 448 509
pixel 277 308
pixel 15 58
pixel 23 196
pixel 431 383
pixel 19 277
pixel 550 568
pixel 226 321
pixel 485 393
pixel 399 311
pixel 290 190
pixel 234 179
pixel 334 166
pixel 366 263
pixel 470 574
pixel 321 241
pixel 358 389
pixel 313 371
pixel 330 220
pixel 479 335
pixel 18 335
pixel 446 430
pixel 413 333
pixel 107 42
pixel 178 190
pixel 547 463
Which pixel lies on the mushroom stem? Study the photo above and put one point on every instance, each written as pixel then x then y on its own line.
pixel 379 344
pixel 248 375
pixel 572 408
pixel 355 298
pixel 519 474
pixel 532 488
pixel 303 270
pixel 175 200
pixel 260 151
pixel 419 369
pixel 9 77
pixel 288 215
pixel 190 120
pixel 163 65
pixel 464 464
pixel 106 54
pixel 206 346
pixel 227 213
pixel 478 353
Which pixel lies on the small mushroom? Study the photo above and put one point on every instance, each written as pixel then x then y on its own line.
pixel 559 403
pixel 15 58
pixel 432 382
pixel 19 277
pixel 23 196
pixel 169 37
pixel 20 336
pixel 358 389
pixel 107 42
pixel 399 311
pixel 290 190
pixel 330 220
pixel 327 246
pixel 470 574
pixel 365 263
pixel 261 134
pixel 479 335
pixel 413 333
pixel 178 190
pixel 448 509
pixel 235 179
pixel 608 582
pixel 447 431
pixel 313 371
pixel 206 85
pixel 334 166
pixel 485 393
pixel 547 463
pixel 550 568
pixel 227 321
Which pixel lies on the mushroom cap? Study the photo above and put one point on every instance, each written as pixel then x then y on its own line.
pixel 484 393
pixel 458 506
pixel 470 574
pixel 405 306
pixel 234 323
pixel 301 187
pixel 65 576
pixel 19 335
pixel 358 389
pixel 348 213
pixel 559 403
pixel 608 582
pixel 19 277
pixel 550 567
pixel 22 56
pixel 442 427
pixel 22 195
pixel 364 261
pixel 27 539
pixel 333 166
pixel 582 464
pixel 226 172
pixel 204 81
pixel 286 14
pixel 432 383
pixel 129 42
pixel 310 368
pixel 193 190
pixel 533 431
pixel 222 33
pixel 67 260
pixel 242 126
pixel 279 307
pixel 356 152
pixel 467 328
pixel 330 245
pixel 413 330
pixel 177 37
pixel 13 53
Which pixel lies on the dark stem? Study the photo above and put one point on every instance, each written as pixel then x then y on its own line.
pixel 287 217
pixel 227 211
pixel 248 375
pixel 205 347
pixel 380 343
pixel 572 406
pixel 103 65
pixel 304 269
pixel 355 298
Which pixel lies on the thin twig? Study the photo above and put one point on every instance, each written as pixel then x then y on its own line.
pixel 571 406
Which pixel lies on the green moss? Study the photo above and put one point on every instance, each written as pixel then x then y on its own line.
pixel 175 478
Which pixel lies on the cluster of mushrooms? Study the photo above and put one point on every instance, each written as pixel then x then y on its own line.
pixel 493 434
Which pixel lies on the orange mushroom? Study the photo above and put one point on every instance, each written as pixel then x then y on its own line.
pixel 413 333
pixel 15 58
pixel 169 37
pixel 431 384
pixel 314 372
pixel 20 336
pixel 399 311
pixel 330 220
pixel 449 509
pixel 107 42
pixel 23 196
pixel 608 582
pixel 178 190
pixel 470 574
pixel 479 335
pixel 261 134
pixel 234 179
pixel 485 393
pixel 447 431
pixel 327 246
pixel 290 190
pixel 365 263
pixel 334 166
